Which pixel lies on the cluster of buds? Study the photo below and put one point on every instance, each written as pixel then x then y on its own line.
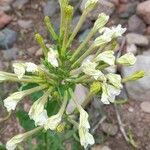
pixel 61 68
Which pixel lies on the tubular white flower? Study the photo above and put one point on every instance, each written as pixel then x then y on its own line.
pixel 109 93
pixel 12 143
pixel 85 137
pixel 107 57
pixel 52 58
pixel 37 111
pixel 19 69
pixel 90 3
pixel 11 101
pixel 41 118
pixel 101 21
pixel 31 67
pixel 114 79
pixel 88 68
pixel 109 34
pixel 83 120
pixel 128 59
pixel 53 122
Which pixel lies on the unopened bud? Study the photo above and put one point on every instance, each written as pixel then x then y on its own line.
pixel 95 87
pixel 90 4
pixel 135 76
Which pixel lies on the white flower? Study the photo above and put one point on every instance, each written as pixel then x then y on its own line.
pixel 127 59
pixel 37 112
pixel 107 57
pixel 90 3
pixel 109 34
pixel 83 120
pixel 89 68
pixel 115 80
pixel 85 137
pixel 19 69
pixel 41 118
pixel 109 93
pixel 31 67
pixel 12 143
pixel 53 122
pixel 11 101
pixel 52 57
pixel 101 21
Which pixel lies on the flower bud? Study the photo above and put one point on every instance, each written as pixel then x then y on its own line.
pixel 107 57
pixel 95 87
pixel 60 128
pixel 90 4
pixel 101 21
pixel 128 59
pixel 135 76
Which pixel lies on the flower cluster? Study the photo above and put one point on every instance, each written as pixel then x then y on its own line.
pixel 62 68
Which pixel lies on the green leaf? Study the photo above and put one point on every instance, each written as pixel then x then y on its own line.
pixel 24 120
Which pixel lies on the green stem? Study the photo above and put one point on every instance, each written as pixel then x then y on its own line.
pixel 82 45
pixel 77 28
pixel 87 53
pixel 50 28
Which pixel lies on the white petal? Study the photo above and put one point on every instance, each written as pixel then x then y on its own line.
pixel 31 67
pixel 114 79
pixel 19 69
pixel 52 58
pixel 53 122
pixel 128 59
pixel 107 57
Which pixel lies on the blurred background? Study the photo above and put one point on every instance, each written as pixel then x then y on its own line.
pixel 20 19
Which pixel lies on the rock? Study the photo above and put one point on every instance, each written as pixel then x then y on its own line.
pixel 137 39
pixel 7 38
pixel 145 106
pixel 100 147
pixel 5 7
pixel 132 49
pixel 135 24
pixel 103 6
pixel 126 10
pixel 50 8
pixel 139 90
pixel 33 50
pixel 109 128
pixel 39 52
pixel 25 23
pixel 19 3
pixel 146 53
pixel 81 93
pixel 10 54
pixel 124 1
pixel 143 10
pixel 4 19
pixel 148 30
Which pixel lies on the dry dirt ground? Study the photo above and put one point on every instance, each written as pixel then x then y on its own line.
pixel 132 116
